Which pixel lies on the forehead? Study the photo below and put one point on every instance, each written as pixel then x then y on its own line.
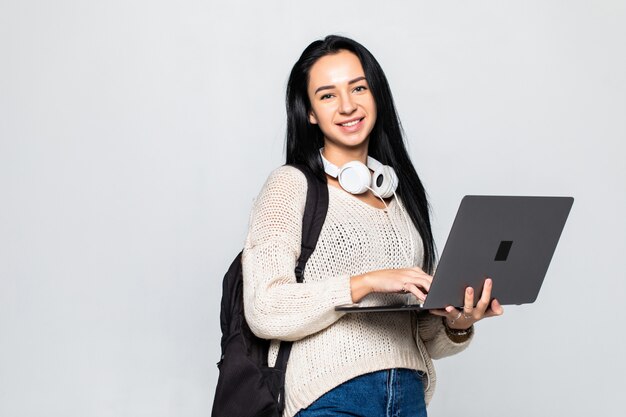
pixel 335 69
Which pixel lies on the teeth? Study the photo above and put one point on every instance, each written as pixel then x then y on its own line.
pixel 352 123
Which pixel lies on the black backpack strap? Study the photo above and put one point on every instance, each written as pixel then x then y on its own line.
pixel 314 215
pixel 313 219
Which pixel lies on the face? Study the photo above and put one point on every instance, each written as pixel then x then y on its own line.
pixel 342 104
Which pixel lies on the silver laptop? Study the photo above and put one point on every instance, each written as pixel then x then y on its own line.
pixel 508 239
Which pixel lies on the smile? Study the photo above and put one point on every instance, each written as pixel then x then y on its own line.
pixel 351 123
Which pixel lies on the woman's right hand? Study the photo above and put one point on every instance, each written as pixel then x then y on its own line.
pixel 404 280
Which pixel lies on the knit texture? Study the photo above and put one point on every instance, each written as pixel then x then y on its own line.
pixel 332 347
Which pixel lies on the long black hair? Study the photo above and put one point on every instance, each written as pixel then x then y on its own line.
pixel 386 141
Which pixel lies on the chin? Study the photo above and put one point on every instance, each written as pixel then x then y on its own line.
pixel 352 142
pixel 349 144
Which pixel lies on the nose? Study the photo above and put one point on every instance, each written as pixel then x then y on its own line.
pixel 347 104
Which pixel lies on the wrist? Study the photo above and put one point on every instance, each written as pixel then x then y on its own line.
pixel 457 335
pixel 359 287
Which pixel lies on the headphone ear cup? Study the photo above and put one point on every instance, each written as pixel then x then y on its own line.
pixel 384 181
pixel 354 177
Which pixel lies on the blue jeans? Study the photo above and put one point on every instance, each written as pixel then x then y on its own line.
pixel 388 393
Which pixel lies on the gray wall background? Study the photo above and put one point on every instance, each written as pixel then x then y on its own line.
pixel 134 135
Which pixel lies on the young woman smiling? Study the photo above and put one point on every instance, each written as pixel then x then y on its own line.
pixel 371 250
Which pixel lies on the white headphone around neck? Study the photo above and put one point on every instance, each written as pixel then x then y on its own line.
pixel 356 178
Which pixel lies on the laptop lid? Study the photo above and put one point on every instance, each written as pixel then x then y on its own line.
pixel 510 239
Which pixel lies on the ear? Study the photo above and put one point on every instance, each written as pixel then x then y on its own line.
pixel 312 118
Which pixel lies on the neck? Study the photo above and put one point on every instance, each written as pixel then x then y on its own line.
pixel 341 155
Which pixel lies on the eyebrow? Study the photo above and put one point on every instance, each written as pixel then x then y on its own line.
pixel 330 87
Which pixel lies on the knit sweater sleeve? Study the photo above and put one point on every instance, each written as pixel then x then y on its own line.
pixel 275 305
pixel 432 332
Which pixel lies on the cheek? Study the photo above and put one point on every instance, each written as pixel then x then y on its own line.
pixel 323 115
pixel 373 105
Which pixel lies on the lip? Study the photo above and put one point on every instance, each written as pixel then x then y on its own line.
pixel 350 120
pixel 351 129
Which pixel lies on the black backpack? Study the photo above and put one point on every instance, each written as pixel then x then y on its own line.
pixel 247 386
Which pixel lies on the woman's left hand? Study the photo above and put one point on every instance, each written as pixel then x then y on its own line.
pixel 465 318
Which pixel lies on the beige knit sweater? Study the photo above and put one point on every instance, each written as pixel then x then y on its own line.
pixel 331 347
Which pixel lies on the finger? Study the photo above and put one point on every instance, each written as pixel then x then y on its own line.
pixel 468 306
pixel 416 292
pixel 453 315
pixel 439 312
pixel 426 279
pixel 496 308
pixel 451 312
pixel 422 280
pixel 423 283
pixel 485 297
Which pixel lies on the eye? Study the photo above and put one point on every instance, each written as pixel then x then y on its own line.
pixel 326 96
pixel 360 88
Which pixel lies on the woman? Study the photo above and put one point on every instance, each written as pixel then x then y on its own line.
pixel 372 249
